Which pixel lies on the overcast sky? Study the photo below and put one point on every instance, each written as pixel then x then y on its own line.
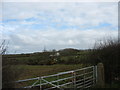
pixel 32 25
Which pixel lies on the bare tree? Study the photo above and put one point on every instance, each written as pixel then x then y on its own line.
pixel 3 47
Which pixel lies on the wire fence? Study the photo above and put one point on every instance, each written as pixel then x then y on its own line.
pixel 80 78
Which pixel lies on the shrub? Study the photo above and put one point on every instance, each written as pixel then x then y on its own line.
pixel 108 53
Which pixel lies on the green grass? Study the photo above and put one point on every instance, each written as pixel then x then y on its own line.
pixel 31 71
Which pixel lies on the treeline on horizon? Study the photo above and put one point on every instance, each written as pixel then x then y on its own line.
pixel 65 56
pixel 106 52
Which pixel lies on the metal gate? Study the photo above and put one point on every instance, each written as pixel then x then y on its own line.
pixel 80 78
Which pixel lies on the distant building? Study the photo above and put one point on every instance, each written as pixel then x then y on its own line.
pixel 56 54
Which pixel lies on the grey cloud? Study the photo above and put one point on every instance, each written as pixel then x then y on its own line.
pixel 23 39
pixel 53 39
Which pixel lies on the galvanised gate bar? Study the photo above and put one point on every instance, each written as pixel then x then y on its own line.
pixel 80 78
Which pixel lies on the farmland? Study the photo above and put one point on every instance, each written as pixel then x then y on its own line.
pixel 66 56
pixel 22 66
pixel 30 71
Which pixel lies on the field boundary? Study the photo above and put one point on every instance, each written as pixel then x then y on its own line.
pixel 79 78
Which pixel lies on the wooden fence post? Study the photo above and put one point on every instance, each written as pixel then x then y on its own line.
pixel 100 75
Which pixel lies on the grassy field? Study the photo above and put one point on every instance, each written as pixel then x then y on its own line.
pixel 23 66
pixel 30 71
